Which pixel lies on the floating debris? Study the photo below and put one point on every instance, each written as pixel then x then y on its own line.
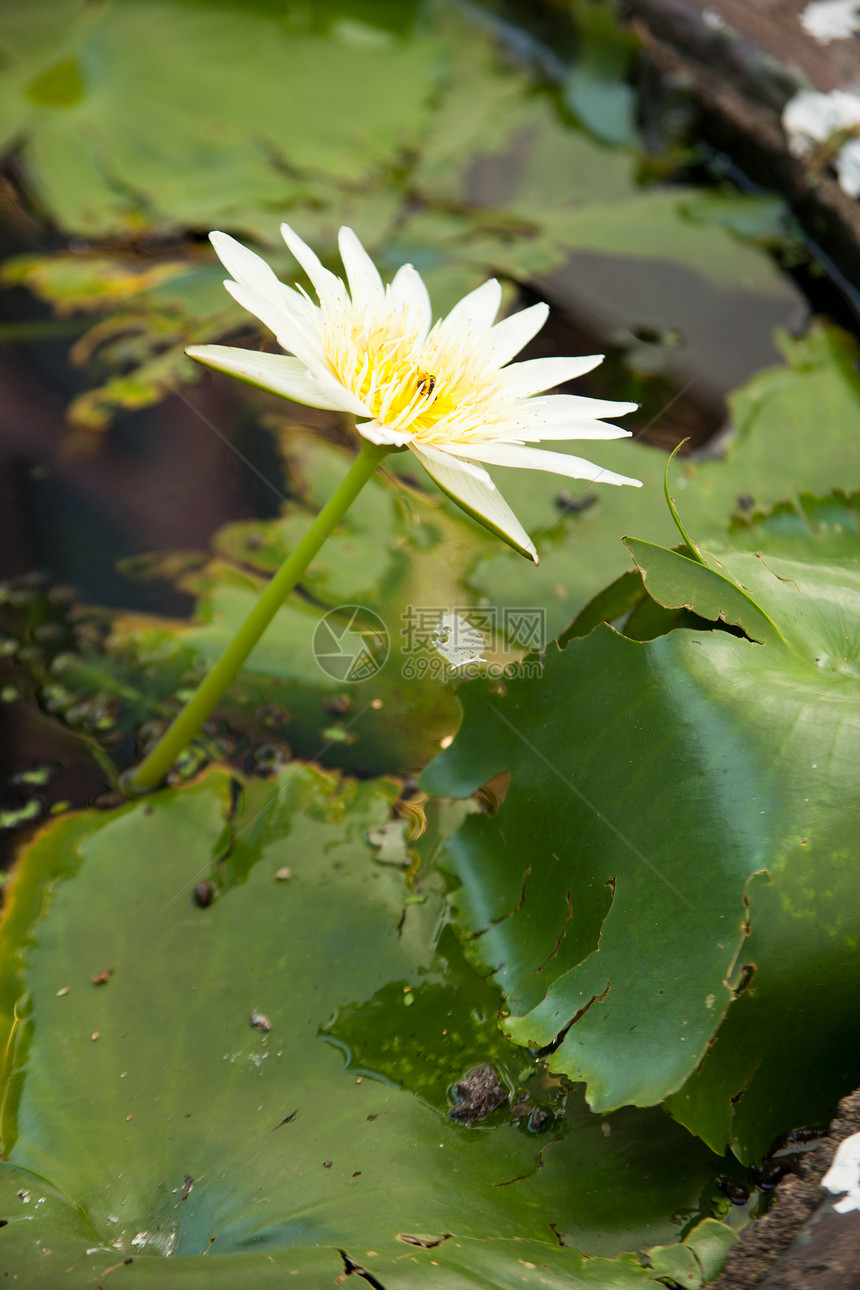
pixel 477 1095
pixel 204 894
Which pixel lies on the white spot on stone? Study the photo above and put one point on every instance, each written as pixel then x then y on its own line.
pixel 827 20
pixel 844 1175
pixel 812 120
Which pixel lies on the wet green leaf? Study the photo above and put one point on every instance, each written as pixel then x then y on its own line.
pixel 665 891
pixel 678 582
pixel 711 1242
pixel 246 1089
pixel 814 399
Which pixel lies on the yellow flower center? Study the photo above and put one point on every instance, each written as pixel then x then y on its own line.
pixel 439 392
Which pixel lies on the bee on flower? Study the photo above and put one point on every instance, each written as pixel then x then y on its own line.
pixel 448 391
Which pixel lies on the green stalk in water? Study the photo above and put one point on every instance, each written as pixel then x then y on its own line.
pixel 155 766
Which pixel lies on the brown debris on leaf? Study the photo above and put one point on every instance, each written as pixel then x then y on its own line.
pixel 477 1095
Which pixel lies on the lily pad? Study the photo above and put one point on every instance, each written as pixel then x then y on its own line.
pixel 814 399
pixel 664 896
pixel 830 525
pixel 218 1121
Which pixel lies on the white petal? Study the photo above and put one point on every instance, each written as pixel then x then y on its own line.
pixel 287 377
pixel 443 460
pixel 539 374
pixel 510 335
pixel 378 433
pixel 292 334
pixel 476 311
pixel 328 287
pixel 408 292
pixel 253 273
pixel 558 463
pixel 575 408
pixel 246 267
pixel 332 387
pixel 471 487
pixel 847 165
pixel 365 284
pixel 573 430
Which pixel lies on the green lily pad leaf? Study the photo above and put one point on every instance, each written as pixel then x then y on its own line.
pixel 59 86
pixel 813 602
pixel 711 1242
pixel 676 1265
pixel 829 526
pixel 762 218
pixel 674 853
pixel 222 1120
pixel 618 600
pixel 814 397
pixel 678 582
pixel 698 1259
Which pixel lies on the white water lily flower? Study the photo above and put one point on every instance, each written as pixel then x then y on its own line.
pixel 447 391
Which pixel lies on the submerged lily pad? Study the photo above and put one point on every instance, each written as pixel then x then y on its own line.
pixel 206 1130
pixel 665 895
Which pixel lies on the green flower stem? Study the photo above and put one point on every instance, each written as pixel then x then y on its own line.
pixel 155 766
